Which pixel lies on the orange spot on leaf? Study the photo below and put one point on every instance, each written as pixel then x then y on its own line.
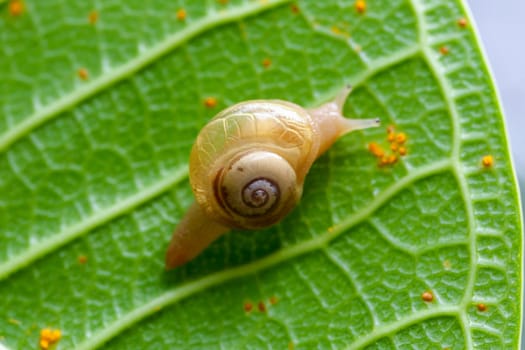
pixel 360 6
pixel 261 306
pixel 44 344
pixel 482 307
pixel 16 8
pixel 427 296
pixel 392 159
pixel 266 62
pixel 210 102
pixel 462 22
pixel 383 161
pixel 376 150
pixel 93 17
pixel 401 137
pixel 487 161
pixel 49 337
pixel 248 306
pixel 181 14
pixel 394 146
pixel 83 73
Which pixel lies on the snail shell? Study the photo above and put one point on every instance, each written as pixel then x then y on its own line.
pixel 248 165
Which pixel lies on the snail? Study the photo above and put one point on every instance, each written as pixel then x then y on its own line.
pixel 248 165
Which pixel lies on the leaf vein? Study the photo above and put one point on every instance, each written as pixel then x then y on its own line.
pixel 447 91
pixel 391 328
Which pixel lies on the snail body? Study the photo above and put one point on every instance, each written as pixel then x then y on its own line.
pixel 248 165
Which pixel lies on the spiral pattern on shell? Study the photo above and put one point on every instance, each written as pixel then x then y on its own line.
pixel 256 188
pixel 261 194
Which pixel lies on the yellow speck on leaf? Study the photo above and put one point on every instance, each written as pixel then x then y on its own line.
pixel 83 73
pixel 16 8
pixel 482 307
pixel 444 50
pixel 266 62
pixel 49 337
pixel 487 161
pixel 93 17
pixel 181 14
pixel 401 137
pixel 427 296
pixel 360 6
pixel 462 22
pixel 210 102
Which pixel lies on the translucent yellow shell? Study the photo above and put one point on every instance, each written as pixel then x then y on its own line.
pixel 276 127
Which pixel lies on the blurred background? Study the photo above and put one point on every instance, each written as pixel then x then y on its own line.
pixel 501 28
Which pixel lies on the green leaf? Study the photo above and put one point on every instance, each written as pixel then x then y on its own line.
pixel 93 179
